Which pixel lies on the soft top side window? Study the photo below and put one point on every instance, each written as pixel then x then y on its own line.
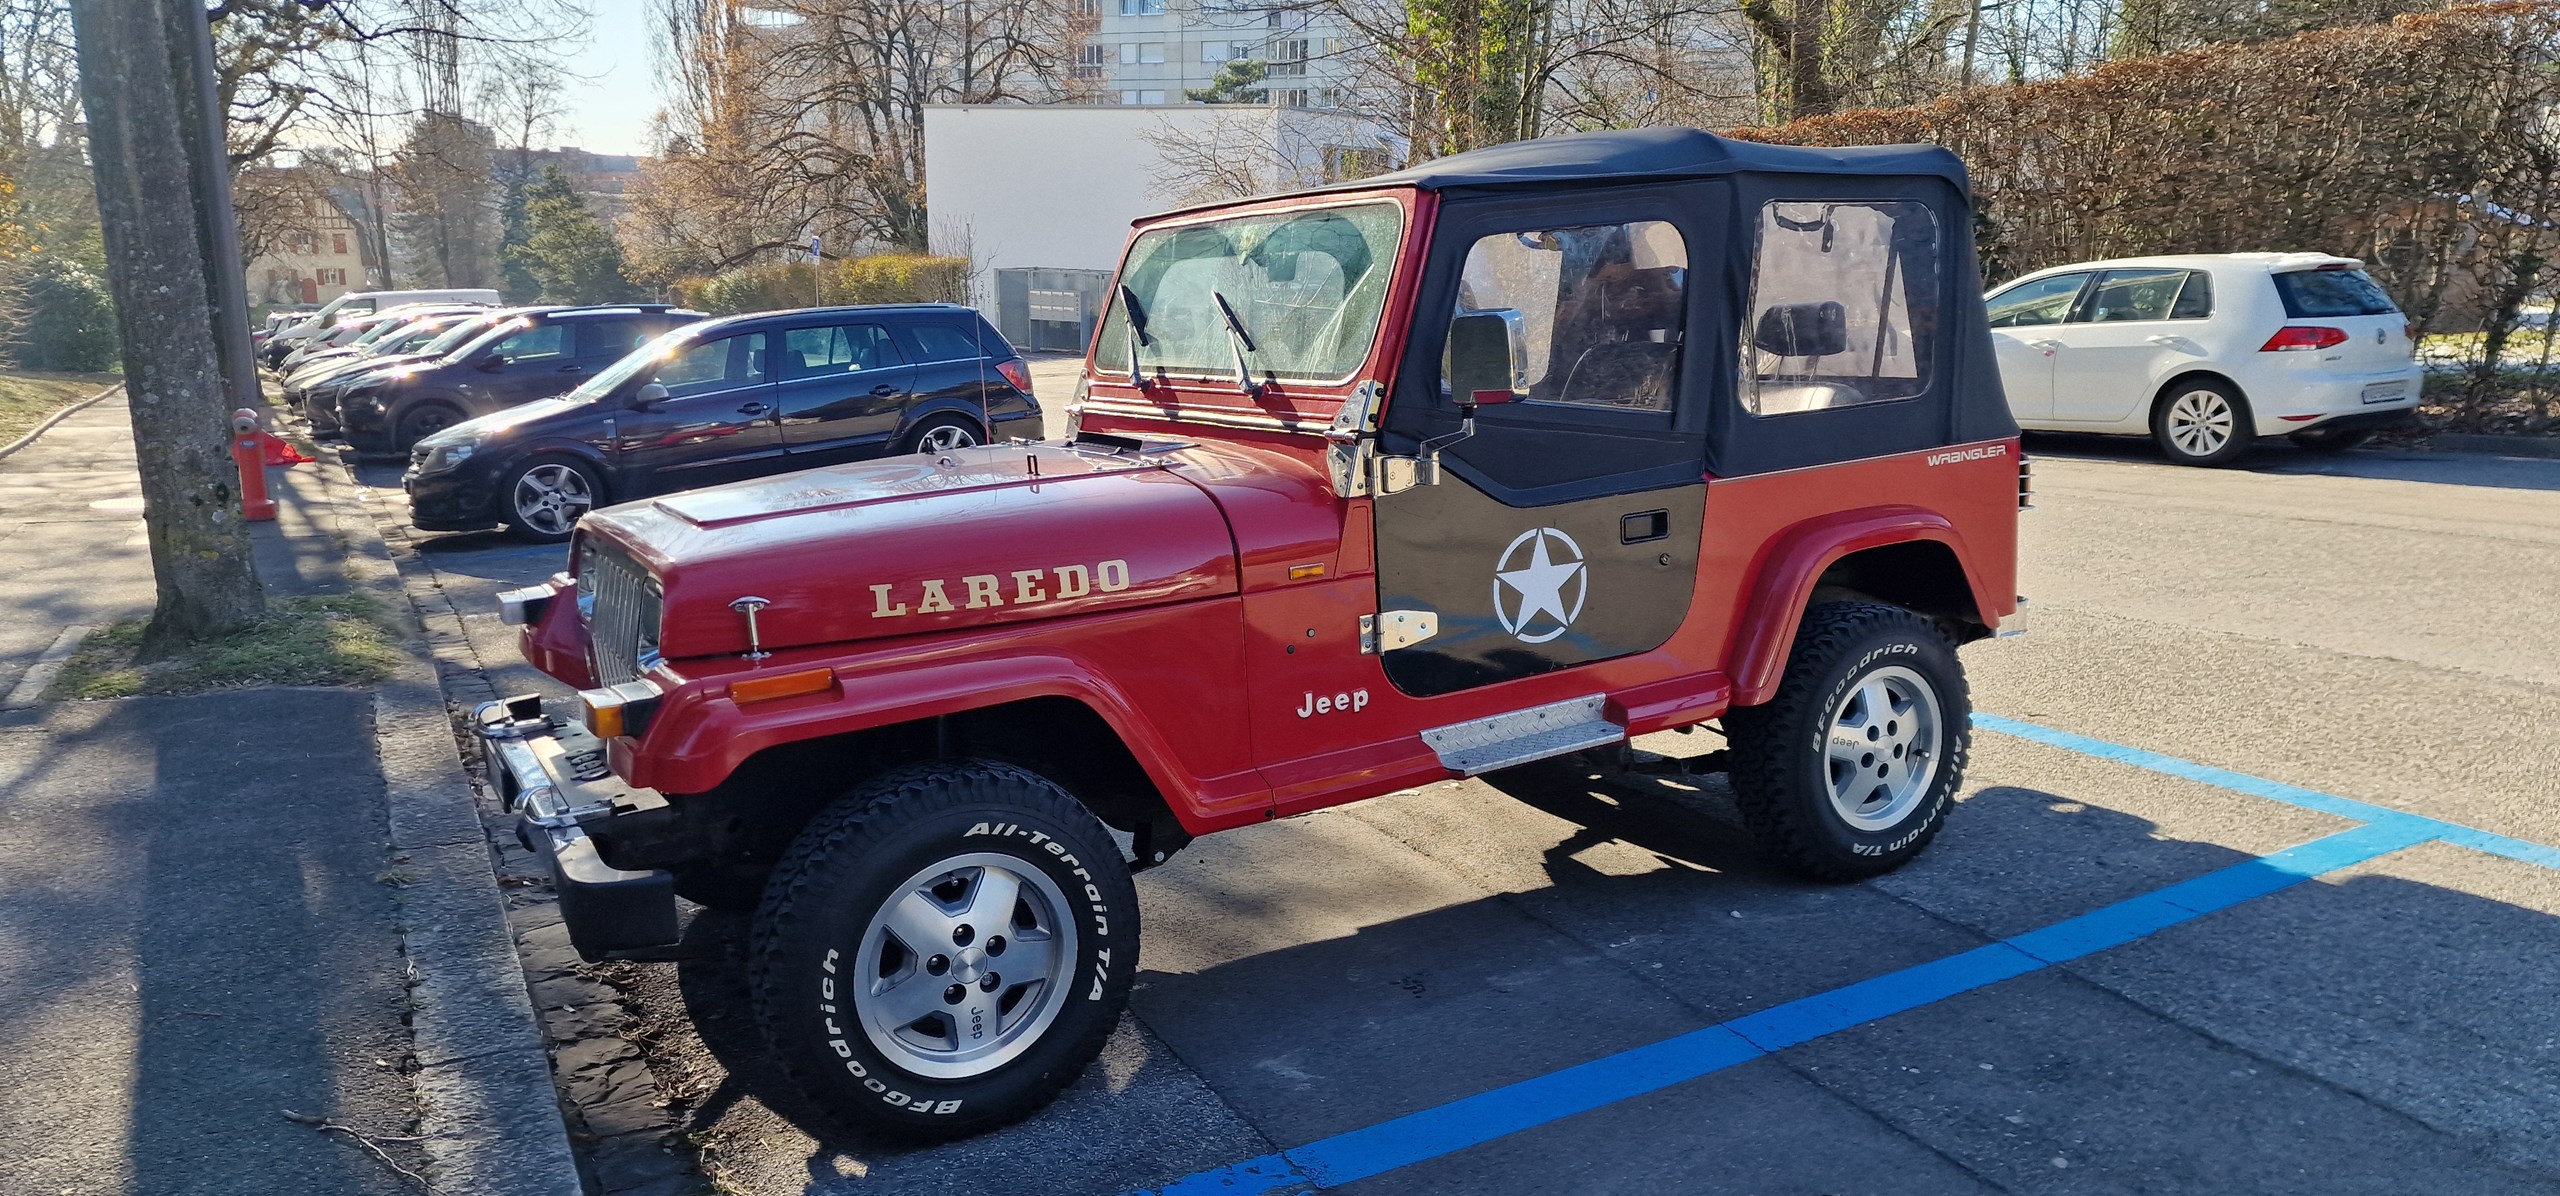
pixel 1599 310
pixel 1844 305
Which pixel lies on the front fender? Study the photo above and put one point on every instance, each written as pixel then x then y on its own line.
pixel 1795 561
pixel 699 736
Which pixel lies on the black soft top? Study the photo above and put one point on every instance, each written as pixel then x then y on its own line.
pixel 1628 155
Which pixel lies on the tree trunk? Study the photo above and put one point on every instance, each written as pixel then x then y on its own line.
pixel 130 74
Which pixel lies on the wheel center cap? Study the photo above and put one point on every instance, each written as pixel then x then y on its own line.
pixel 969 964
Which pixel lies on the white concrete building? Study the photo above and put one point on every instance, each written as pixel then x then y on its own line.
pixel 1149 51
pixel 1040 197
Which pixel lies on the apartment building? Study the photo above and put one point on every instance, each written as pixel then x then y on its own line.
pixel 1151 51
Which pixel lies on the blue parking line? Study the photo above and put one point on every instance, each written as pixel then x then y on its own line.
pixel 2292 795
pixel 1471 1121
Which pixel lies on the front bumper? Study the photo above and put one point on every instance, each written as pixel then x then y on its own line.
pixel 554 775
pixel 461 499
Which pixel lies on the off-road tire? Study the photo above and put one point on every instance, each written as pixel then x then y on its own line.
pixel 1780 770
pixel 2242 434
pixel 856 856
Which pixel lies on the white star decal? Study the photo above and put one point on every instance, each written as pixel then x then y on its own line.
pixel 1541 585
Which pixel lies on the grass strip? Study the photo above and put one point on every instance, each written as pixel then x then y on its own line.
pixel 339 639
pixel 26 398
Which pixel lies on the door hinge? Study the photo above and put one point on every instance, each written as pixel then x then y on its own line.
pixel 1389 630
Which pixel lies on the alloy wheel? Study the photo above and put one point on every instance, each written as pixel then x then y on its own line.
pixel 942 438
pixel 2200 422
pixel 1883 748
pixel 549 498
pixel 965 965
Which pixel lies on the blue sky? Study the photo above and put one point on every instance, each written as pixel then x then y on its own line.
pixel 612 92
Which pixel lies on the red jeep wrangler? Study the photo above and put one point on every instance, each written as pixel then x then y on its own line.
pixel 1511 455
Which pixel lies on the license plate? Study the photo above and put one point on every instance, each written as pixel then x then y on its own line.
pixel 2386 392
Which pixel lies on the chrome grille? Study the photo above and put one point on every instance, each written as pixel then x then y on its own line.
pixel 621 604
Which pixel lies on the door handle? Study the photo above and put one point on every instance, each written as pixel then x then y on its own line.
pixel 753 408
pixel 573 369
pixel 884 390
pixel 2168 342
pixel 2047 346
pixel 1643 526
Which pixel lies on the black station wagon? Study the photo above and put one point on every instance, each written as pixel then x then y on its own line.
pixel 741 397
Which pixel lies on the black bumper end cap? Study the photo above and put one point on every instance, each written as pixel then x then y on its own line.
pixel 610 912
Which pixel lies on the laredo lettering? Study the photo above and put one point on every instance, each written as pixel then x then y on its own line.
pixel 986 591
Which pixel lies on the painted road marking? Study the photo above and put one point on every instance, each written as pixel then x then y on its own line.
pixel 1472 1121
pixel 2292 795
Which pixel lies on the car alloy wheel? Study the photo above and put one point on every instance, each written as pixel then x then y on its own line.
pixel 943 438
pixel 964 966
pixel 1882 751
pixel 550 497
pixel 2200 422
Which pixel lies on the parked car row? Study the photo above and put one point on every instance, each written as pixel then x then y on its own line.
pixel 529 417
pixel 2207 353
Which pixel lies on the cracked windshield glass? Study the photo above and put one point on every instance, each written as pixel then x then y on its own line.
pixel 1307 286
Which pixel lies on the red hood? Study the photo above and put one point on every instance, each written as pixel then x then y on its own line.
pixel 999 535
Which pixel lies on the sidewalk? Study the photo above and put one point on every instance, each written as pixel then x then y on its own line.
pixel 217 908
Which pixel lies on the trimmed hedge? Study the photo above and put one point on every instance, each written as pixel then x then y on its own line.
pixel 881 278
pixel 2413 145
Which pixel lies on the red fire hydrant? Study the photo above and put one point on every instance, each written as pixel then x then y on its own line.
pixel 249 452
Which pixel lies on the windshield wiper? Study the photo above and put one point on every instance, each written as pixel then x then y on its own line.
pixel 1135 320
pixel 1241 342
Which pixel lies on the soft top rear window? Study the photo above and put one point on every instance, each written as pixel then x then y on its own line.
pixel 2309 293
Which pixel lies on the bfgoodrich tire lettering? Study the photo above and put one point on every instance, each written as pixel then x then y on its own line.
pixel 1867 687
pixel 821 965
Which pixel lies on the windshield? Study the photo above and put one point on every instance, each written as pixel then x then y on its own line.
pixel 1307 286
pixel 638 361
pixel 492 335
pixel 459 335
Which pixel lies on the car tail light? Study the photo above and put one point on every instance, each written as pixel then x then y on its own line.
pixel 2297 338
pixel 1015 372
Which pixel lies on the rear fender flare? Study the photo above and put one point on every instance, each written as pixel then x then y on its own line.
pixel 699 738
pixel 1795 561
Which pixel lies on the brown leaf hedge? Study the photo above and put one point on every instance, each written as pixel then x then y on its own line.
pixel 2425 146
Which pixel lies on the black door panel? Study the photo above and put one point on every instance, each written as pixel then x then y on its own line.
pixel 1527 590
pixel 1566 529
pixel 844 390
pixel 716 425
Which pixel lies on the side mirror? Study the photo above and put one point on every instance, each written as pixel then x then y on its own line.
pixel 490 364
pixel 1802 329
pixel 649 394
pixel 1487 354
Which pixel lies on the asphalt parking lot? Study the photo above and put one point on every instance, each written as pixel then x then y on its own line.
pixel 2252 890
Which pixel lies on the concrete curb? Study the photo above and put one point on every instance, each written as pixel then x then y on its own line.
pixel 58 417
pixel 490 1107
pixel 2499 446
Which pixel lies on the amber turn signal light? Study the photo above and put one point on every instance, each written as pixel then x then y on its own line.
pixel 618 710
pixel 1305 572
pixel 781 685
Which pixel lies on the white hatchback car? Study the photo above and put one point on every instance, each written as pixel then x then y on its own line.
pixel 2206 352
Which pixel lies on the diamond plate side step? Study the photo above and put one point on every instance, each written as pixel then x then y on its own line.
pixel 1482 745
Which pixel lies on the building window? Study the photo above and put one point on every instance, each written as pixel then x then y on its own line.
pixel 1141 8
pixel 1151 97
pixel 333 278
pixel 1152 52
pixel 1290 97
pixel 1289 59
pixel 1129 52
pixel 1271 19
pixel 1212 52
pixel 338 244
pixel 1089 61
